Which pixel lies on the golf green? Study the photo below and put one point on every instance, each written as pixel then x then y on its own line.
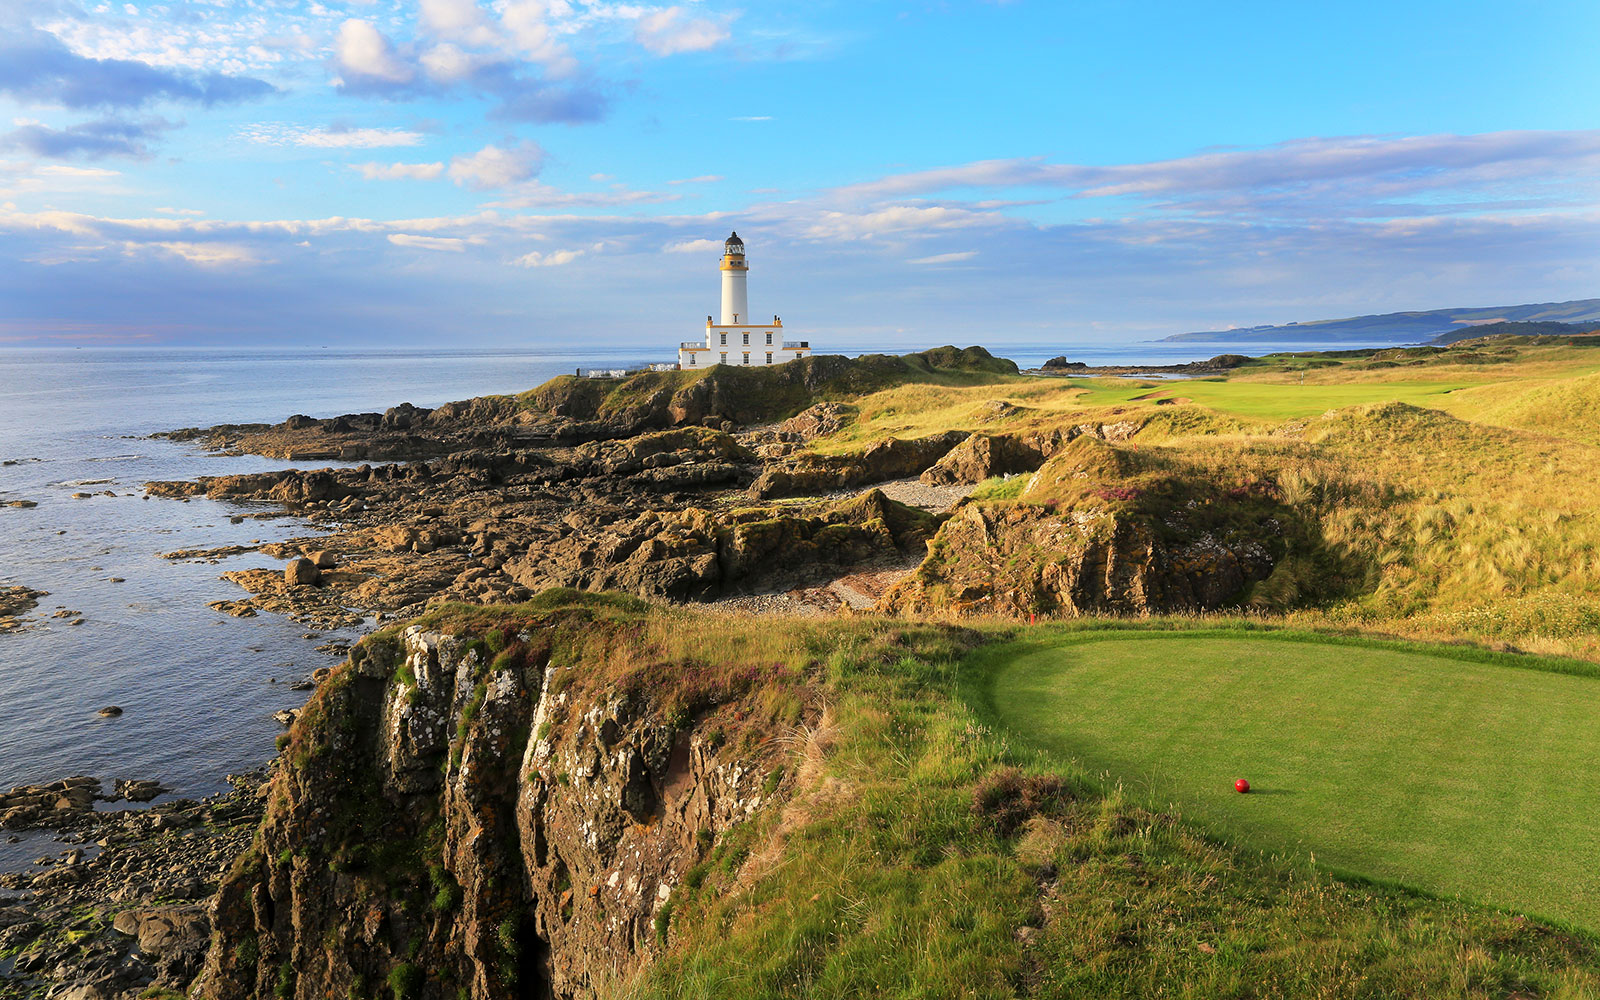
pixel 1477 779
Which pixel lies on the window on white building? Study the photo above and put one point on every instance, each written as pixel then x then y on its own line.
pixel 769 340
pixel 724 342
pixel 746 357
pixel 724 357
pixel 769 357
pixel 691 360
pixel 747 338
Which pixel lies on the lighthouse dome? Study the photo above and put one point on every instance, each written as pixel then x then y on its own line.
pixel 733 244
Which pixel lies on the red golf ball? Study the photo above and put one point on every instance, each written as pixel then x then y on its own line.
pixel 1241 786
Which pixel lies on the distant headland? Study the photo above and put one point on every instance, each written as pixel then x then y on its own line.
pixel 1405 327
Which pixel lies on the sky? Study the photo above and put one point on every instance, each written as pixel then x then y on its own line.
pixel 554 173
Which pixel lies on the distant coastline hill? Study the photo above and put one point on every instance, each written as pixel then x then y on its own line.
pixel 1410 327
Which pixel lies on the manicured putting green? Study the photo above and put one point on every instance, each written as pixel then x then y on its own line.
pixel 1459 777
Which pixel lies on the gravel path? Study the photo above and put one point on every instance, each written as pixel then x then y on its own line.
pixel 915 493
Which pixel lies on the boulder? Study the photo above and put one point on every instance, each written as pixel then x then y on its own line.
pixel 165 929
pixel 816 421
pixel 891 458
pixel 138 790
pixel 323 559
pixel 301 572
pixel 981 456
pixel 110 711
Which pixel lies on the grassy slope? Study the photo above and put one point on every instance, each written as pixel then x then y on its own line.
pixel 1462 777
pixel 1267 400
pixel 773 392
pixel 885 875
pixel 1557 407
pixel 1468 527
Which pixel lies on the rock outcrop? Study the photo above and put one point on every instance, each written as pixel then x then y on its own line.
pixel 700 554
pixel 490 814
pixel 16 601
pixel 981 456
pixel 54 803
pixel 1100 530
pixel 812 474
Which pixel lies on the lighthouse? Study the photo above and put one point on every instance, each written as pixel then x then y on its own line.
pixel 735 340
pixel 735 294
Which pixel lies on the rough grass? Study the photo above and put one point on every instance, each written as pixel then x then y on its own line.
pixel 1563 408
pixel 1267 400
pixel 1460 526
pixel 1459 776
pixel 898 869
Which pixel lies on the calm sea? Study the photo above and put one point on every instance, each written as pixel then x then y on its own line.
pixel 197 687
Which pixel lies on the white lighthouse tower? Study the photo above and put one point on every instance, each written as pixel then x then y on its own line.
pixel 736 340
pixel 735 296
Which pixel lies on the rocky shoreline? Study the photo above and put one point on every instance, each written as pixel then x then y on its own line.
pixel 123 910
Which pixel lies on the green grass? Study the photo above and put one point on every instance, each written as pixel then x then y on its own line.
pixel 1455 775
pixel 1267 400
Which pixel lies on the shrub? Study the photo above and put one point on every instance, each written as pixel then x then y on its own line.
pixel 405 981
pixel 1007 798
pixel 286 981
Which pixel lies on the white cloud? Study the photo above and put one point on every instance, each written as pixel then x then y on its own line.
pixel 904 220
pixel 447 63
pixel 946 258
pixel 65 170
pixel 458 20
pixel 399 171
pixel 671 30
pixel 751 118
pixel 533 37
pixel 329 137
pixel 702 179
pixel 1352 175
pixel 446 243
pixel 554 258
pixel 694 246
pixel 363 51
pixel 192 212
pixel 202 254
pixel 494 167
pixel 537 194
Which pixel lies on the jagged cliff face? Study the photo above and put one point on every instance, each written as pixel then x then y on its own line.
pixel 486 817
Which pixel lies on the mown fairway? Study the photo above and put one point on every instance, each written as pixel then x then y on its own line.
pixel 1459 777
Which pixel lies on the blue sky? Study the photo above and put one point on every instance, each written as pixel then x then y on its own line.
pixel 551 172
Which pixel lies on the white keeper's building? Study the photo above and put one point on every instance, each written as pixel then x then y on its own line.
pixel 735 340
